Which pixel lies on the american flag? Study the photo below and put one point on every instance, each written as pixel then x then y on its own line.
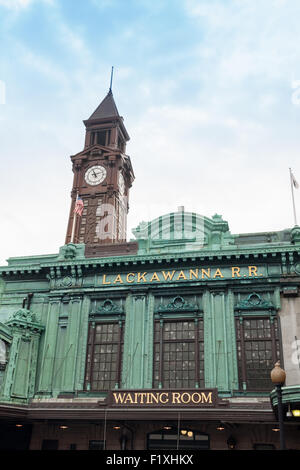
pixel 79 206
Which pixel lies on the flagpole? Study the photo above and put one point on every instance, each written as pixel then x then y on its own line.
pixel 292 189
pixel 73 228
pixel 74 221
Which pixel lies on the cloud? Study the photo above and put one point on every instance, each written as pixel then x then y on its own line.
pixel 249 38
pixel 15 4
pixel 18 5
pixel 105 4
pixel 43 65
pixel 73 41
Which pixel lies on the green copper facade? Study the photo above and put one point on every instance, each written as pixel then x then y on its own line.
pixel 193 270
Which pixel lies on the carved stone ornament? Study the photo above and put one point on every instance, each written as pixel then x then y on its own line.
pixel 24 319
pixel 69 251
pixel 66 281
pixel 254 300
pixel 24 315
pixel 297 268
pixel 295 234
pixel 107 307
pixel 177 303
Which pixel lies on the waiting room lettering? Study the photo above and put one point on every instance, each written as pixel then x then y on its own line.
pixel 156 398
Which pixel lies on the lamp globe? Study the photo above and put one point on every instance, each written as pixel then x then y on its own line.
pixel 278 375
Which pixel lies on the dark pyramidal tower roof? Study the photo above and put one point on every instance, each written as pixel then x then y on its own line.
pixel 106 109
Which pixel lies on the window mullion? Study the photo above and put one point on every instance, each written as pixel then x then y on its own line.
pixel 90 384
pixel 196 346
pixel 274 349
pixel 161 355
pixel 243 355
pixel 119 354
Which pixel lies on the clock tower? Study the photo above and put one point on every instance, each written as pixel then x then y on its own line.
pixel 102 177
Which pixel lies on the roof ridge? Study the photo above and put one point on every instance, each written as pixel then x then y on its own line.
pixel 107 108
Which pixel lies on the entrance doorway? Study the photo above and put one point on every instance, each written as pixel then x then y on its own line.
pixel 14 436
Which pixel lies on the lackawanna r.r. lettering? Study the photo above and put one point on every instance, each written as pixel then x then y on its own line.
pixel 175 275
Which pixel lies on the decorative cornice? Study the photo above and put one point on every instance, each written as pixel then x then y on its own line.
pixel 203 255
pixel 25 320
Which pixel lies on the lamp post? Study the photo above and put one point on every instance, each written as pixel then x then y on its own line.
pixel 278 378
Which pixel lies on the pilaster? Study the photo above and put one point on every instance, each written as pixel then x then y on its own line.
pixel 220 351
pixel 82 343
pixel 71 345
pixel 49 347
pixel 138 340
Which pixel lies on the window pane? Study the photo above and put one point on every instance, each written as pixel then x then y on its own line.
pixel 256 351
pixel 103 361
pixel 178 354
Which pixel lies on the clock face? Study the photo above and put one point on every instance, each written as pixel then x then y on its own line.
pixel 95 175
pixel 121 183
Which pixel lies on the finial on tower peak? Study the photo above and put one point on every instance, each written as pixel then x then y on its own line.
pixel 111 79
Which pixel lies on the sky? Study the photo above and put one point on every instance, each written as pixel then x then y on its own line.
pixel 210 95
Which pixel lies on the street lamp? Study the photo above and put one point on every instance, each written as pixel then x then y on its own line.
pixel 278 378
